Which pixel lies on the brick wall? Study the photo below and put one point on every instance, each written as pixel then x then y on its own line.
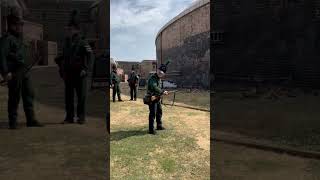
pixel 269 40
pixel 55 16
pixel 186 42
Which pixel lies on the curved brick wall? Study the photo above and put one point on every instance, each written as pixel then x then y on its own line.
pixel 185 40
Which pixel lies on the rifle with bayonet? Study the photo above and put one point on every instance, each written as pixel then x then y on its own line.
pixel 155 98
pixel 37 58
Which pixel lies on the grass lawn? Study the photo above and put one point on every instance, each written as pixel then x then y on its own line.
pixel 241 163
pixel 179 152
pixel 289 121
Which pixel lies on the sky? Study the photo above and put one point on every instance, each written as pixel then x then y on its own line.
pixel 135 24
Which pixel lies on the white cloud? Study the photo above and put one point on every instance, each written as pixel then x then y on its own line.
pixel 135 23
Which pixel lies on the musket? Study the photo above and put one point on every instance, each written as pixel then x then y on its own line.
pixel 154 98
pixel 27 69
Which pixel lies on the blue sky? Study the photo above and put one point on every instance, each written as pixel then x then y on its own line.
pixel 135 23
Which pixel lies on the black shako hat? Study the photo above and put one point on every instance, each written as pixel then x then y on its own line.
pixel 164 67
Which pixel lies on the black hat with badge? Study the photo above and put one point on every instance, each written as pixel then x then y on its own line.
pixel 164 67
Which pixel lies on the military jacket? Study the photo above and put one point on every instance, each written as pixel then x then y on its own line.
pixel 13 53
pixel 76 55
pixel 114 78
pixel 154 85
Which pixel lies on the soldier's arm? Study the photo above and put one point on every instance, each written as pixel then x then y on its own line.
pixel 155 87
pixel 112 78
pixel 89 57
pixel 4 44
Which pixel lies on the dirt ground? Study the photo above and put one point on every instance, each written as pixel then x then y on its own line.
pixel 56 151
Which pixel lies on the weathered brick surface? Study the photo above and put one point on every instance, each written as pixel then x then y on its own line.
pixel 55 16
pixel 269 40
pixel 186 42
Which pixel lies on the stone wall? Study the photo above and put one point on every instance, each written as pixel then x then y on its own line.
pixel 127 66
pixel 273 41
pixel 146 66
pixel 185 40
pixel 54 16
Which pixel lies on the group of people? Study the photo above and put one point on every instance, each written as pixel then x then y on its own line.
pixel 74 66
pixel 153 90
pixel 115 80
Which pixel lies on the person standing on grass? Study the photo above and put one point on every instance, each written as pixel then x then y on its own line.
pixel 133 84
pixel 115 84
pixel 154 89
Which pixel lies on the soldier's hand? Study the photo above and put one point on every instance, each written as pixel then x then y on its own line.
pixel 8 77
pixel 165 92
pixel 83 73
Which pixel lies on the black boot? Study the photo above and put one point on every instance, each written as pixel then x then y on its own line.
pixel 13 125
pixel 160 127
pixel 152 132
pixel 34 123
pixel 68 121
pixel 81 121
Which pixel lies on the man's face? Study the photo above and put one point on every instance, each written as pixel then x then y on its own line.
pixel 160 74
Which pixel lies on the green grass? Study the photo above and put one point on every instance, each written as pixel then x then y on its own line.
pixel 171 154
pixel 289 121
pixel 138 155
pixel 237 162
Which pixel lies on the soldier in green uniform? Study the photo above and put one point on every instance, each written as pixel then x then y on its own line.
pixel 154 89
pixel 115 83
pixel 133 84
pixel 13 68
pixel 74 68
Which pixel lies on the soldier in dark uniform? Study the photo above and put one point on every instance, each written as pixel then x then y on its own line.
pixel 115 83
pixel 13 68
pixel 74 68
pixel 133 84
pixel 154 89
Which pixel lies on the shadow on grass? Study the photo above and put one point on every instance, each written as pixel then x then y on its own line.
pixel 119 135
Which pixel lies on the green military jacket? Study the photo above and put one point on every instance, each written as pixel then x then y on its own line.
pixel 114 78
pixel 12 54
pixel 154 85
pixel 133 79
pixel 77 56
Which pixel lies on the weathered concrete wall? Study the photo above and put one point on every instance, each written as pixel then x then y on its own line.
pixel 185 40
pixel 56 15
pixel 267 40
pixel 32 31
pixel 146 66
pixel 127 66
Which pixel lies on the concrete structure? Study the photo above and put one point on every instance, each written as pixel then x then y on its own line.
pixel 142 68
pixel 55 16
pixel 99 15
pixel 127 66
pixel 145 67
pixel 269 41
pixel 32 31
pixel 185 40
